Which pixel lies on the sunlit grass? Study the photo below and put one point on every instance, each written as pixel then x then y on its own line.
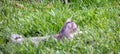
pixel 99 20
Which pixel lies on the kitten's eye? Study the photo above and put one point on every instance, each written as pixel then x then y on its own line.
pixel 69 26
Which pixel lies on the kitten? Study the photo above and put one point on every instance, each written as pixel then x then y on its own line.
pixel 68 30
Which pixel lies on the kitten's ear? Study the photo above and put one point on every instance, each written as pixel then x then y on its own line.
pixel 68 20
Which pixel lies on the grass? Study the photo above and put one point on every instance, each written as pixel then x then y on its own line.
pixel 99 20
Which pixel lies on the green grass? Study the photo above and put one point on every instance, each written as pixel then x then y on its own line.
pixel 99 20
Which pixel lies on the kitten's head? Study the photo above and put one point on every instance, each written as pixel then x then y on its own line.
pixel 68 30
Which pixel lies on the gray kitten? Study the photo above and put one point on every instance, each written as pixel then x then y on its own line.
pixel 68 30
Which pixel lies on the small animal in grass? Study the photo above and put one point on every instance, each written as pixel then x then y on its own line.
pixel 68 30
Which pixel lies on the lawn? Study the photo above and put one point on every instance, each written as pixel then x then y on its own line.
pixel 99 21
